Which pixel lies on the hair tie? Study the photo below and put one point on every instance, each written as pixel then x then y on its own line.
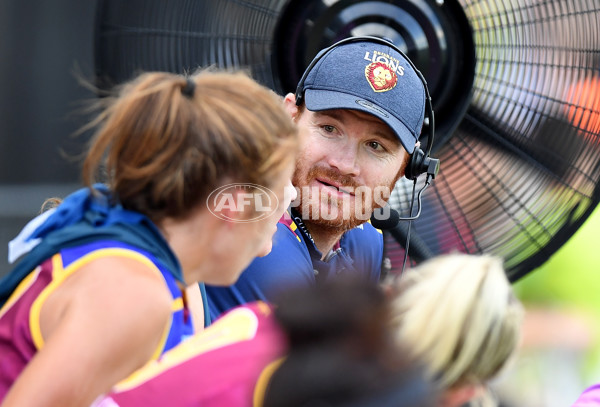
pixel 188 89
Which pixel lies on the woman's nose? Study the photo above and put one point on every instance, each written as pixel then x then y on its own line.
pixel 290 193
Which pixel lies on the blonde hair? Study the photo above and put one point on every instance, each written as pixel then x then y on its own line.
pixel 165 142
pixel 458 314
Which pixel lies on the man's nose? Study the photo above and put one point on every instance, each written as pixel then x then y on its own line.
pixel 345 159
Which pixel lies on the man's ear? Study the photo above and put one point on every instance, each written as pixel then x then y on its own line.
pixel 290 105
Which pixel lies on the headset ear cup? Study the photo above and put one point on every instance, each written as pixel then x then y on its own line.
pixel 415 165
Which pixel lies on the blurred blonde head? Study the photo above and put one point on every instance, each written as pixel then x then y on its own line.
pixel 458 314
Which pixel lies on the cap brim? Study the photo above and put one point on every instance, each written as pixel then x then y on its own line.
pixel 317 100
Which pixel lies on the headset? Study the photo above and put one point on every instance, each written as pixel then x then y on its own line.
pixel 420 161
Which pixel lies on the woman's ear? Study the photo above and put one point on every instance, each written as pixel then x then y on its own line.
pixel 233 204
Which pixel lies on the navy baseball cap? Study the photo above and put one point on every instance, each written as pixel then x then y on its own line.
pixel 372 77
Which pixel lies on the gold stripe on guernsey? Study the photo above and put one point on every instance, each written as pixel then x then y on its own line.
pixel 34 314
pixel 263 381
pixel 20 290
pixel 238 325
pixel 59 274
pixel 177 304
pixel 263 307
pixel 294 227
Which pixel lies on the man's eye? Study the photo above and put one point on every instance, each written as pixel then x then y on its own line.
pixel 328 128
pixel 375 145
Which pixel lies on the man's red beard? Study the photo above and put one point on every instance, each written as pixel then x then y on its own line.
pixel 342 214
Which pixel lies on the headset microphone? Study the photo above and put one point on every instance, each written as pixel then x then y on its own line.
pixel 385 221
pixel 420 161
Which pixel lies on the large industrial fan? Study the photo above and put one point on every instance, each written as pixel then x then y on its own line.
pixel 515 87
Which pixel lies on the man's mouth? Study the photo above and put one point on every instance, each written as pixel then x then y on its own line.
pixel 342 189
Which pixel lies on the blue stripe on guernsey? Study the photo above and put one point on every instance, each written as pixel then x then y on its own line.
pixel 80 219
pixel 181 324
pixel 73 254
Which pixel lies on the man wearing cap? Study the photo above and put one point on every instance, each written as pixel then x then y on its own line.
pixel 360 107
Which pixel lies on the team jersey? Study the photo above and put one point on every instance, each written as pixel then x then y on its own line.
pixel 227 365
pixel 589 398
pixel 20 332
pixel 295 261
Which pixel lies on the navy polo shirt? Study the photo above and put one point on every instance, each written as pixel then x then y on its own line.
pixel 295 261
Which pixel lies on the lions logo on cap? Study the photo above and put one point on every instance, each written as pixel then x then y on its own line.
pixel 380 76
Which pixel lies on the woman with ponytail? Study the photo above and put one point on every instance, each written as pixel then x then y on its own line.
pixel 100 288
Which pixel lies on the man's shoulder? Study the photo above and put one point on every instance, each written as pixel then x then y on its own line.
pixel 365 233
pixel 287 228
pixel 364 244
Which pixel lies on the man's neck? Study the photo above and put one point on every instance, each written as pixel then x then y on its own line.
pixel 324 237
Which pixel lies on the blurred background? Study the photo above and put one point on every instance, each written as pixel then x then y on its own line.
pixel 516 93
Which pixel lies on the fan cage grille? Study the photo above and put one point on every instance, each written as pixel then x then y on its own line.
pixel 518 176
